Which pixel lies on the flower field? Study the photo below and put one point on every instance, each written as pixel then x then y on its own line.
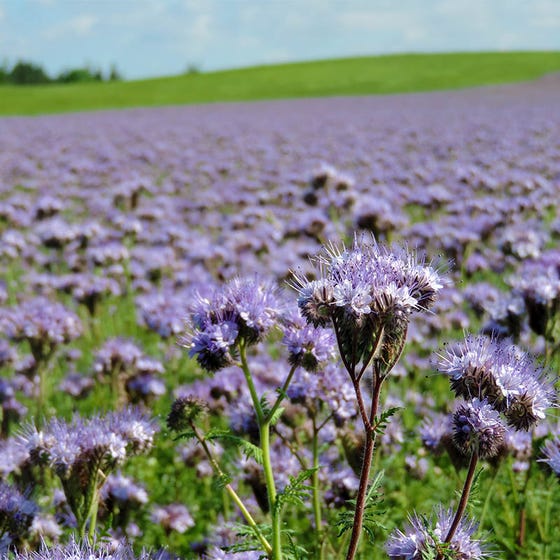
pixel 309 329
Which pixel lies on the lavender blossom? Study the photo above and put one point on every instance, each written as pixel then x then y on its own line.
pixel 84 550
pixel 309 347
pixel 551 453
pixel 173 517
pixel 43 323
pixel 16 514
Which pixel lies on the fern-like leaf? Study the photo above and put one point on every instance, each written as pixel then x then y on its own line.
pixel 372 511
pixel 380 422
pixel 295 492
pixel 250 450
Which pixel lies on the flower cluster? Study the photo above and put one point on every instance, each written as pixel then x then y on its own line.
pixel 16 514
pixel 308 346
pixel 424 538
pixel 84 550
pixel 368 292
pixel 244 310
pixel 504 375
pixel 83 452
pixel 43 323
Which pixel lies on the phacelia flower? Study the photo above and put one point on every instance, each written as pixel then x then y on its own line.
pixel 85 550
pixel 16 513
pixel 173 517
pixel 477 427
pixel 424 538
pixel 43 323
pixel 308 346
pixel 551 453
pixel 504 375
pixel 243 310
pixel 368 293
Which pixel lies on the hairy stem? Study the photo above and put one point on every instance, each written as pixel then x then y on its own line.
pixel 366 465
pixel 250 383
pixel 464 498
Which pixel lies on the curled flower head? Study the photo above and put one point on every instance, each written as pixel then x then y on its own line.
pixel 477 427
pixel 241 311
pixel 504 375
pixel 309 347
pixel 424 537
pixel 184 411
pixel 368 293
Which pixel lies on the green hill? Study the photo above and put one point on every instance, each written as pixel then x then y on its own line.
pixel 350 76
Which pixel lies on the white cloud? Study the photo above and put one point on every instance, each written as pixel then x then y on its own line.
pixel 78 26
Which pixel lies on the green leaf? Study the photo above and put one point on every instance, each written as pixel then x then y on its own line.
pixel 185 435
pixel 250 450
pixel 295 492
pixel 247 539
pixel 277 415
pixel 380 422
pixel 372 511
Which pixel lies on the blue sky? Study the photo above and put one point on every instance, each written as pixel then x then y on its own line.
pixel 160 37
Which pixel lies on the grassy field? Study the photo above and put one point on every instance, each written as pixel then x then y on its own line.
pixel 351 76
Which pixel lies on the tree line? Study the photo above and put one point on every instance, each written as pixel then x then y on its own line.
pixel 25 72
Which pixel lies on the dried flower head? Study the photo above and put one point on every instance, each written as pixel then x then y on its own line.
pixel 185 411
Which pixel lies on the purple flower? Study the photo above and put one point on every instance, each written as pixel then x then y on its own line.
pixel 242 310
pixel 477 427
pixel 116 354
pixel 308 346
pixel 173 517
pixel 368 292
pixel 43 323
pixel 423 538
pixel 16 513
pixel 123 491
pixel 84 550
pixel 551 453
pixel 503 374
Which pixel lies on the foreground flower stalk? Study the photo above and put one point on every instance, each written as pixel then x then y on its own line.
pixel 367 294
pixel 223 326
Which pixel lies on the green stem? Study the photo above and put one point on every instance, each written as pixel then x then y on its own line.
pixel 281 394
pixel 264 433
pixel 264 429
pixel 547 516
pixel 232 493
pixel 251 384
pixel 316 490
pixel 93 516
